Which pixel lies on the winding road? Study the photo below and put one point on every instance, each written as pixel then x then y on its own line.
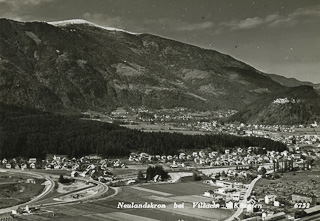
pixel 246 195
pixel 48 188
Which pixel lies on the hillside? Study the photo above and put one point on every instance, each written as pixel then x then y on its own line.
pixel 74 66
pixel 78 66
pixel 296 105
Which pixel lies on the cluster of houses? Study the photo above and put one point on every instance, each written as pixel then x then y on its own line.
pixel 90 166
pixel 14 164
pixel 179 114
pixel 237 157
pixel 231 195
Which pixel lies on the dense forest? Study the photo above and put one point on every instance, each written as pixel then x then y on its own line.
pixel 29 133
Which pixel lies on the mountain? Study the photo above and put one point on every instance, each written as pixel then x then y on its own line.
pixel 295 105
pixel 292 82
pixel 73 66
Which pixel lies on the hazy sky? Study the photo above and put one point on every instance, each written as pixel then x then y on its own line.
pixel 274 36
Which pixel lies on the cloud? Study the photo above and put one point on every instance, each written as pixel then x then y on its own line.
pixel 300 15
pixel 273 20
pixel 17 4
pixel 195 26
pixel 20 10
pixel 247 23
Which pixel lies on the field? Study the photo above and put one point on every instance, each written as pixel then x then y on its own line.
pixel 168 194
pixel 157 128
pixel 292 177
pixel 14 190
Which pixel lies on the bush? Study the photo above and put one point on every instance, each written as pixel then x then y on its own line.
pixel 157 170
pixel 65 180
pixel 276 176
pixel 196 177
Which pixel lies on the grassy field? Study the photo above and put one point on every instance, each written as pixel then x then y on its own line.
pixel 18 193
pixel 177 189
pixel 157 128
pixel 14 190
pixel 292 177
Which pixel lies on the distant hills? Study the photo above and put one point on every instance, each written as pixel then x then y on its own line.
pixel 74 66
pixel 292 82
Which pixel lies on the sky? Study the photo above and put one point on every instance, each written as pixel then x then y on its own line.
pixel 274 36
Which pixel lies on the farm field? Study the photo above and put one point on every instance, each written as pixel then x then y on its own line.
pixel 177 189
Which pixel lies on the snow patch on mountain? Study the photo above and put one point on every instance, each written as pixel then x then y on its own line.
pixel 82 21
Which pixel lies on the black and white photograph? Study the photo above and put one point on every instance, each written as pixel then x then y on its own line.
pixel 159 110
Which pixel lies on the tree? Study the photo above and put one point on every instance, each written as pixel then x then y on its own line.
pixel 276 176
pixel 140 176
pixel 195 177
pixel 157 170
pixel 263 171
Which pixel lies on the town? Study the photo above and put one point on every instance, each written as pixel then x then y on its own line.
pixel 251 180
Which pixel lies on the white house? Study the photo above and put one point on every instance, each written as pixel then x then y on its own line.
pixel 229 205
pixel 32 165
pixel 74 174
pixel 33 160
pixel 269 198
pixel 221 191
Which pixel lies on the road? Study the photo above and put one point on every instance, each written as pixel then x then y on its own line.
pixel 102 189
pixel 48 188
pixel 246 195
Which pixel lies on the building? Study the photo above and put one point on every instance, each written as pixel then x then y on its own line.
pixel 32 181
pixel 33 160
pixel 229 205
pixel 276 216
pixel 312 211
pixel 75 174
pixel 269 198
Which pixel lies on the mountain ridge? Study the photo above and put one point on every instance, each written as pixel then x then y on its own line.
pixel 77 67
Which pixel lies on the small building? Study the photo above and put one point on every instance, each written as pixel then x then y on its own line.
pixel 8 166
pixel 229 205
pixel 269 198
pixel 75 174
pixel 32 160
pixel 312 211
pixel 130 182
pixel 276 203
pixel 276 216
pixel 4 161
pixel 24 166
pixel 32 181
pixel 32 165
